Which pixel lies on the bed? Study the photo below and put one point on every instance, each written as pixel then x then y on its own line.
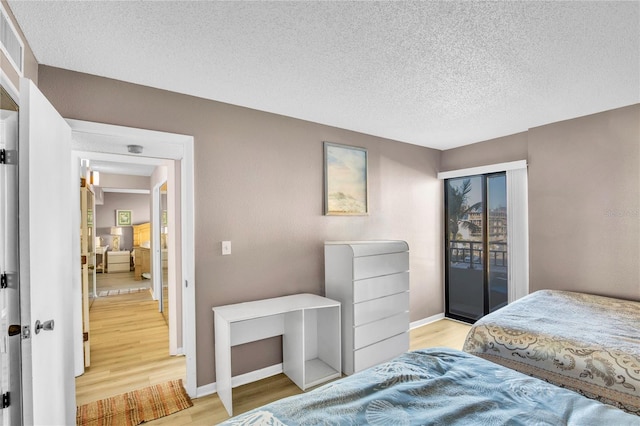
pixel 437 386
pixel 587 343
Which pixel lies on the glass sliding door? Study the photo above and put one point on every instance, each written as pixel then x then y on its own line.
pixel 476 246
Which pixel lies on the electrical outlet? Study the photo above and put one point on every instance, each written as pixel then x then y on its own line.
pixel 226 248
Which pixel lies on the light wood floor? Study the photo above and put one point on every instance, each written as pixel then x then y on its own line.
pixel 129 348
pixel 126 356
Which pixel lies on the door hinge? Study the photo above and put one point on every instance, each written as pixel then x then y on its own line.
pixel 85 336
pixel 26 331
pixel 5 400
pixel 7 280
pixel 8 156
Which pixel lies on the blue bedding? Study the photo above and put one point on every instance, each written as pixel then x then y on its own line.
pixel 437 387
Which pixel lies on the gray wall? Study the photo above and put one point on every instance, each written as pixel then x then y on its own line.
pixel 584 199
pixel 258 183
pixel 500 150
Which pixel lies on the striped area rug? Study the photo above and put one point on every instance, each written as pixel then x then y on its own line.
pixel 117 292
pixel 136 407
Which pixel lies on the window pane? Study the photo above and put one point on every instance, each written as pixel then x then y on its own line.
pixel 497 238
pixel 465 270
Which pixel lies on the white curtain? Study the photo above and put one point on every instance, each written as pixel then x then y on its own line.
pixel 517 233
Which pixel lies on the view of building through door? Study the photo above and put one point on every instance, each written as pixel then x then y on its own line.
pixel 476 241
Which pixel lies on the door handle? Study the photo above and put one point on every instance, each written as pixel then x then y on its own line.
pixel 47 325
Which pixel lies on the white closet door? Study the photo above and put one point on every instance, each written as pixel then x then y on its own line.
pixel 46 241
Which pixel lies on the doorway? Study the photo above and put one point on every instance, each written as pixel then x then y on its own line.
pixel 476 278
pixel 107 142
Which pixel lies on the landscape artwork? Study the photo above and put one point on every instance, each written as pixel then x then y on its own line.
pixel 345 182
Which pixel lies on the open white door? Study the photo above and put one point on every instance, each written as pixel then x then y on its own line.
pixel 46 238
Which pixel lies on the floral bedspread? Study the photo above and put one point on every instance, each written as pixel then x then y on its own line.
pixel 587 343
pixel 437 387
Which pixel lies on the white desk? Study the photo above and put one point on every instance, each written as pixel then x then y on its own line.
pixel 309 324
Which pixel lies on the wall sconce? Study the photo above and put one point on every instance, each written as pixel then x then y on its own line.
pixel 95 178
pixel 116 232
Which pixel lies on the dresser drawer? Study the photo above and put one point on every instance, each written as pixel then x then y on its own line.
pixel 118 261
pixel 380 352
pixel 384 264
pixel 374 288
pixel 378 309
pixel 377 331
pixel 118 267
pixel 118 257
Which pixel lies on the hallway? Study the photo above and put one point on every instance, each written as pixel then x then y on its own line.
pixel 129 343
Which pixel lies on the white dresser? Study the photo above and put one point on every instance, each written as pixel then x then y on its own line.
pixel 371 281
pixel 118 261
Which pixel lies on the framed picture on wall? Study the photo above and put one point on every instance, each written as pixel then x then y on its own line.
pixel 123 218
pixel 345 180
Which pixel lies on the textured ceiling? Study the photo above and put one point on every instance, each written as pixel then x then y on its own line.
pixel 438 74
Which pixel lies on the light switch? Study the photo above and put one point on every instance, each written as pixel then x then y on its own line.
pixel 226 248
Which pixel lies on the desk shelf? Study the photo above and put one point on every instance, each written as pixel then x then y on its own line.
pixel 311 347
pixel 317 372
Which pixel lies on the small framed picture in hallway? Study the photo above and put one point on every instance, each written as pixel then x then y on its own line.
pixel 123 217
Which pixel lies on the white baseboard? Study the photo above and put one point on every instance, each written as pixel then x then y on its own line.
pixel 205 390
pixel 242 379
pixel 263 373
pixel 426 321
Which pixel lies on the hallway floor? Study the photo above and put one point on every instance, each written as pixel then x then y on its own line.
pixel 129 346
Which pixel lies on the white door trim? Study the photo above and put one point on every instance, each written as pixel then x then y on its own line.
pixel 110 139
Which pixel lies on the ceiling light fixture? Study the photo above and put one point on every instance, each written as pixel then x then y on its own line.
pixel 135 149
